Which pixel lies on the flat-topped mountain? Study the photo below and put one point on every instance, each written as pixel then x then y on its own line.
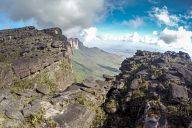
pixel 93 62
pixel 26 52
pixel 37 87
pixel 153 90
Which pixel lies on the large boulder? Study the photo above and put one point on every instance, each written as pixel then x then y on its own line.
pixel 75 116
pixel 179 92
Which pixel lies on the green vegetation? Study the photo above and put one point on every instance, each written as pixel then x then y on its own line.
pixel 111 106
pixel 37 120
pixel 41 79
pixel 84 101
pixel 2 57
pixel 9 58
pixel 138 94
pixel 4 119
pixel 100 114
pixel 51 123
pixel 100 118
pixel 155 104
pixel 65 65
pixel 93 63
pixel 172 109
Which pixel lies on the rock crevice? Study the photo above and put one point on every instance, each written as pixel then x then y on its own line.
pixel 153 90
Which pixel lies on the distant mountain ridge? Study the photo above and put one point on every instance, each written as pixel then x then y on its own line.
pixel 93 62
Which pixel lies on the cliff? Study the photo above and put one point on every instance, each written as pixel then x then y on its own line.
pixel 153 90
pixel 28 53
pixel 92 62
pixel 36 83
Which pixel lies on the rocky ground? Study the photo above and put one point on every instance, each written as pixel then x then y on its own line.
pixel 37 88
pixel 76 107
pixel 153 90
pixel 25 52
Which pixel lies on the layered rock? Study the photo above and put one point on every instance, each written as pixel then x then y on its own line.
pixel 27 52
pixel 153 90
pixel 74 42
pixel 36 79
pixel 78 106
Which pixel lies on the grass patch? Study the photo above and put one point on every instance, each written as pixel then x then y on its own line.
pixel 100 113
pixel 138 94
pixel 111 106
pixel 37 120
pixel 65 65
pixel 41 79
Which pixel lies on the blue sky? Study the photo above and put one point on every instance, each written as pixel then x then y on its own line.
pixel 141 8
pixel 164 23
pixel 117 12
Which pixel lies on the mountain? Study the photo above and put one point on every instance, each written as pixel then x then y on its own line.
pixel 27 52
pixel 93 62
pixel 153 90
pixel 37 89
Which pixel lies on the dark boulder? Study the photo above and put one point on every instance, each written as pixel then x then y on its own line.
pixel 108 77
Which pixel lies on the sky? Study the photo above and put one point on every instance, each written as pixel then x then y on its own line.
pixel 164 23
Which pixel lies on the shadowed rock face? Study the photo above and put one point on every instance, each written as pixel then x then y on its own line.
pixel 153 89
pixel 28 51
pixel 36 87
pixel 157 92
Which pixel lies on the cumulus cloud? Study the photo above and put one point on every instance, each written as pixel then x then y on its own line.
pixel 163 16
pixel 89 34
pixel 70 15
pixel 177 39
pixel 135 23
pixel 168 39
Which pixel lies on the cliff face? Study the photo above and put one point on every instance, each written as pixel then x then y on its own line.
pixel 27 53
pixel 92 62
pixel 153 90
pixel 36 89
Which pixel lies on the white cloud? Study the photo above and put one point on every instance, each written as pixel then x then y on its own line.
pixel 168 39
pixel 135 23
pixel 164 17
pixel 70 15
pixel 155 33
pixel 135 37
pixel 89 34
pixel 176 39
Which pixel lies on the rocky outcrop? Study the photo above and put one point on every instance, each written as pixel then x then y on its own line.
pixel 27 52
pixel 74 42
pixel 155 92
pixel 78 106
pixel 36 79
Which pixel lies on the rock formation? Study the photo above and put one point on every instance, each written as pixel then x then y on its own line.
pixel 28 52
pixel 74 42
pixel 153 90
pixel 36 79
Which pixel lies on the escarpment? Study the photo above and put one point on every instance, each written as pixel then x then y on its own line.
pixel 31 53
pixel 36 83
pixel 153 90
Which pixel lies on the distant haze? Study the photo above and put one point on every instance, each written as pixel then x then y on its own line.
pixel 127 49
